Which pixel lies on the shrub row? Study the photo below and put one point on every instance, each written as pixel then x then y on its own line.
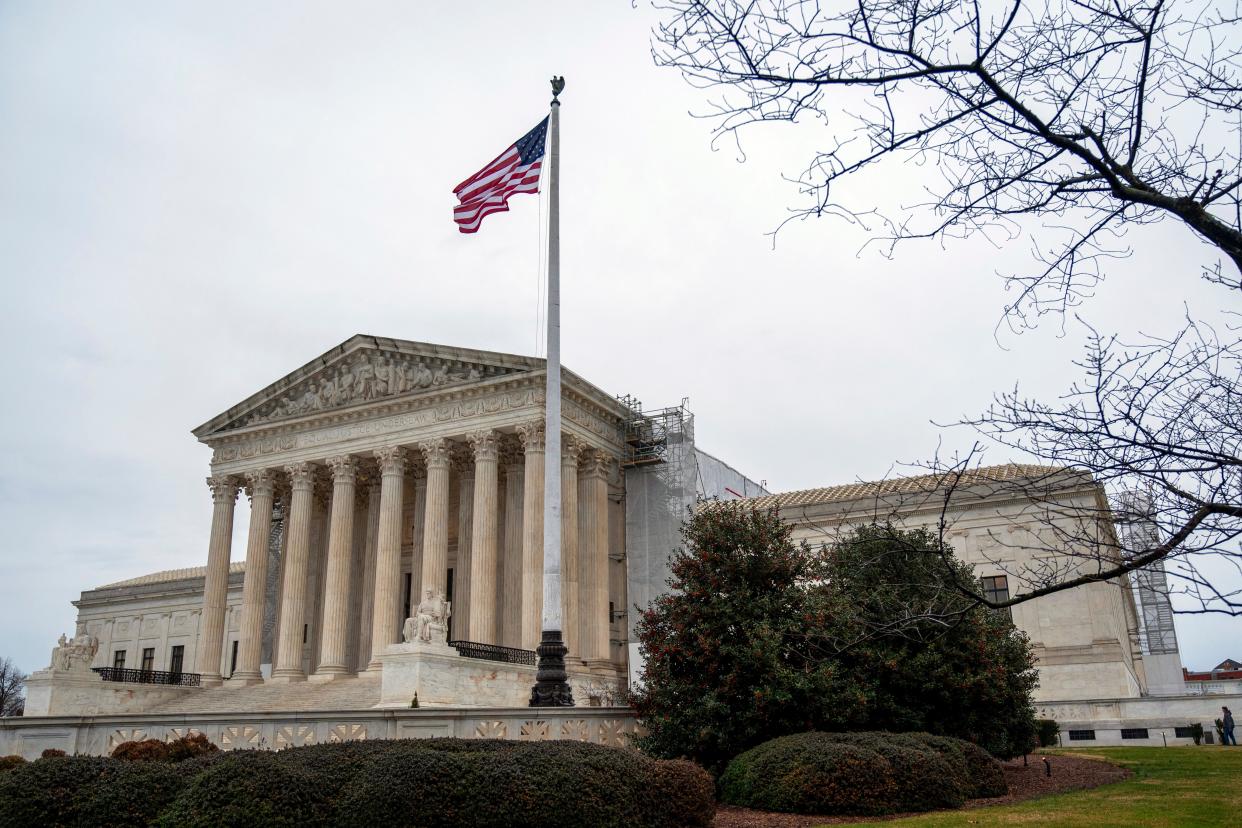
pixel 437 782
pixel 864 774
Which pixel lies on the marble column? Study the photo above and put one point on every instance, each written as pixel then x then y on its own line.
pixel 483 627
pixel 216 585
pixel 418 531
pixel 571 452
pixel 254 587
pixel 437 454
pixel 511 597
pixel 368 576
pixel 593 562
pixel 532 435
pixel 385 625
pixel 465 520
pixel 332 644
pixel 288 663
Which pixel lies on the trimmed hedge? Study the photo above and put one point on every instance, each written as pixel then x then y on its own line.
pixel 864 774
pixel 436 782
pixel 9 762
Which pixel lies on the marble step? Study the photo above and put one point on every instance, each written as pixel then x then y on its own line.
pixel 354 693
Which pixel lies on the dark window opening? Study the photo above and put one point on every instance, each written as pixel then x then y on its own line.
pixel 1134 733
pixel 118 659
pixel 612 612
pixel 996 589
pixel 176 661
pixel 233 660
pixel 449 598
pixel 148 658
pixel 405 591
pixel 1082 735
pixel 305 632
pixel 1184 732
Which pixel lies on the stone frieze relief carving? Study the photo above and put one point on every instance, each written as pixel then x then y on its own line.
pixel 364 376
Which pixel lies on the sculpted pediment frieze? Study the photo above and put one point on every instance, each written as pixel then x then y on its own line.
pixel 364 376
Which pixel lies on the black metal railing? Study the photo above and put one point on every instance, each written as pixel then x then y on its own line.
pixel 149 676
pixel 493 652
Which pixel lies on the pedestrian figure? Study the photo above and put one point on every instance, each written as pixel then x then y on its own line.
pixel 1227 730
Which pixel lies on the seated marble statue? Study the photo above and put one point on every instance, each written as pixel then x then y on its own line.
pixel 76 654
pixel 431 614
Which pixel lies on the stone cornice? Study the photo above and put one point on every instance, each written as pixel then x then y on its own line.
pixel 930 504
pixel 181 587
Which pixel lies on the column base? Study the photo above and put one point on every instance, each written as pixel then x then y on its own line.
pixel 322 677
pixel 601 667
pixel 287 678
pixel 210 680
pixel 244 679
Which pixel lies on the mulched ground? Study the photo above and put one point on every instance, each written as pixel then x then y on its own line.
pixel 1069 773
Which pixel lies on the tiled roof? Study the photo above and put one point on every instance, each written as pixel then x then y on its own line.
pixel 172 575
pixel 902 485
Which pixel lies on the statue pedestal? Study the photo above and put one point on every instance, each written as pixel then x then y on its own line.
pixel 80 692
pixel 442 678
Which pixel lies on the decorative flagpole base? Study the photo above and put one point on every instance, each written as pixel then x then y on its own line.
pixel 551 688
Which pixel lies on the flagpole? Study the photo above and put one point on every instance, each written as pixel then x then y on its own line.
pixel 551 686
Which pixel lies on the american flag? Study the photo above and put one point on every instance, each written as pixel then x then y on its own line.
pixel 516 170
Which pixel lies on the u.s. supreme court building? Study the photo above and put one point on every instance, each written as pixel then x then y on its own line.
pixel 393 557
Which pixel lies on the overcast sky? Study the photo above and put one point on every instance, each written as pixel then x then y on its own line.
pixel 197 199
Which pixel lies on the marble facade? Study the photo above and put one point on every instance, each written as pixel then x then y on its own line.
pixel 402 467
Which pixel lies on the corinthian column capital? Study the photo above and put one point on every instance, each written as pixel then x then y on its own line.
pixel 391 459
pixel 261 482
pixel 301 476
pixel 532 436
pixel 437 454
pixel 484 444
pixel 223 488
pixel 571 450
pixel 344 469
pixel 595 463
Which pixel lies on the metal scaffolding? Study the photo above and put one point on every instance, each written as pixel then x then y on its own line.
pixel 1137 530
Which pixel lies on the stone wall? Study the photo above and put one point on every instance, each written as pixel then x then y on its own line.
pixel 1160 716
pixel 99 735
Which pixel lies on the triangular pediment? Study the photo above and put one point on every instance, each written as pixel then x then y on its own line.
pixel 363 370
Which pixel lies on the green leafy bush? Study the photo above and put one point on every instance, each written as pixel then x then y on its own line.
pixel 51 753
pixel 446 782
pixel 748 642
pixel 249 788
pixel 10 762
pixel 88 790
pixel 1047 730
pixel 863 774
pixel 436 782
pixel 981 774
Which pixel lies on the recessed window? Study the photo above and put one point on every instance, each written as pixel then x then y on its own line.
pixel 233 659
pixel 148 658
pixel 1184 732
pixel 176 661
pixel 1134 733
pixel 996 590
pixel 1082 735
pixel 118 660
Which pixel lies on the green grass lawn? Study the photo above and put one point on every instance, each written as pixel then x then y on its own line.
pixel 1170 786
